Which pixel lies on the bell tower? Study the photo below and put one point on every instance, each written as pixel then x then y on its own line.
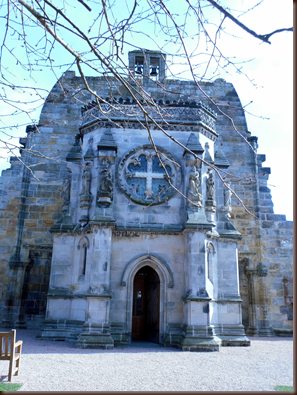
pixel 150 65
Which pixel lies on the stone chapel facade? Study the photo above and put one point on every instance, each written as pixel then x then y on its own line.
pixel 100 250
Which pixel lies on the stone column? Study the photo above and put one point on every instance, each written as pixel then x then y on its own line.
pixel 21 323
pixel 197 333
pixel 252 328
pixel 256 281
pixel 264 323
pixel 13 294
pixel 96 329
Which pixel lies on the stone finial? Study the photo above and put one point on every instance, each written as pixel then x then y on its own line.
pixel 194 145
pixel 220 159
pixel 75 154
pixel 90 152
pixel 107 140
pixel 207 157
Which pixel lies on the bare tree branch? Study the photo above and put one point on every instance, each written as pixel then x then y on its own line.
pixel 262 37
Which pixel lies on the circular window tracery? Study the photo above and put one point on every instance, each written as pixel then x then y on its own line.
pixel 142 177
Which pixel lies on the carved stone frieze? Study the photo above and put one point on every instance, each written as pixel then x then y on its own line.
pixel 118 111
pixel 135 125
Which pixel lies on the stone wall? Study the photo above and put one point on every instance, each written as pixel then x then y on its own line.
pixel 30 206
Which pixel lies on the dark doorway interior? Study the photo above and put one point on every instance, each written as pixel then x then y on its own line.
pixel 146 305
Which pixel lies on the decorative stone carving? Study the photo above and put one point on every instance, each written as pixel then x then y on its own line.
pixel 85 196
pixel 288 297
pixel 210 186
pixel 86 182
pixel 106 187
pixel 142 178
pixel 227 199
pixel 202 292
pixel 90 152
pixel 187 294
pixel 194 182
pixel 207 157
pixel 136 125
pixel 106 179
pixel 200 114
pixel 262 270
pixel 94 289
pixel 66 189
pixel 227 196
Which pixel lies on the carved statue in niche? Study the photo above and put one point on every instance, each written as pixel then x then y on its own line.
pixel 106 179
pixel 86 182
pixel 227 196
pixel 66 189
pixel 194 182
pixel 210 186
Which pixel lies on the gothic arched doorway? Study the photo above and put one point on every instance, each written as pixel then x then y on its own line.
pixel 146 305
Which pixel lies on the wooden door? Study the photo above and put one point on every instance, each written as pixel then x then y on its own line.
pixel 138 307
pixel 146 305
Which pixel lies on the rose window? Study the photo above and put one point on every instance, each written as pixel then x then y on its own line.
pixel 142 177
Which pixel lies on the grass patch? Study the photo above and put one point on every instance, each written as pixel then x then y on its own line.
pixel 9 386
pixel 283 388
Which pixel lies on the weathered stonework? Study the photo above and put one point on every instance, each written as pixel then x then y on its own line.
pixel 80 242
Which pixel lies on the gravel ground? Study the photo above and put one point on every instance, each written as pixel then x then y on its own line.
pixel 59 366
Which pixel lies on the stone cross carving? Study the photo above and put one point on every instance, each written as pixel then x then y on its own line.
pixel 86 182
pixel 210 186
pixel 149 175
pixel 142 178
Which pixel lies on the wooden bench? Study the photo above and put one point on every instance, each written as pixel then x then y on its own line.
pixel 7 352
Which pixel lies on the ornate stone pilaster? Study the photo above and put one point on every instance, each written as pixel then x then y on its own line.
pixel 264 323
pixel 96 329
pixel 252 328
pixel 197 332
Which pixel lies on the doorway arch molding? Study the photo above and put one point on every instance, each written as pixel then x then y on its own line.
pixel 154 261
pixel 166 281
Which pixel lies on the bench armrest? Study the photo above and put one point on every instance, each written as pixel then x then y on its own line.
pixel 18 343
